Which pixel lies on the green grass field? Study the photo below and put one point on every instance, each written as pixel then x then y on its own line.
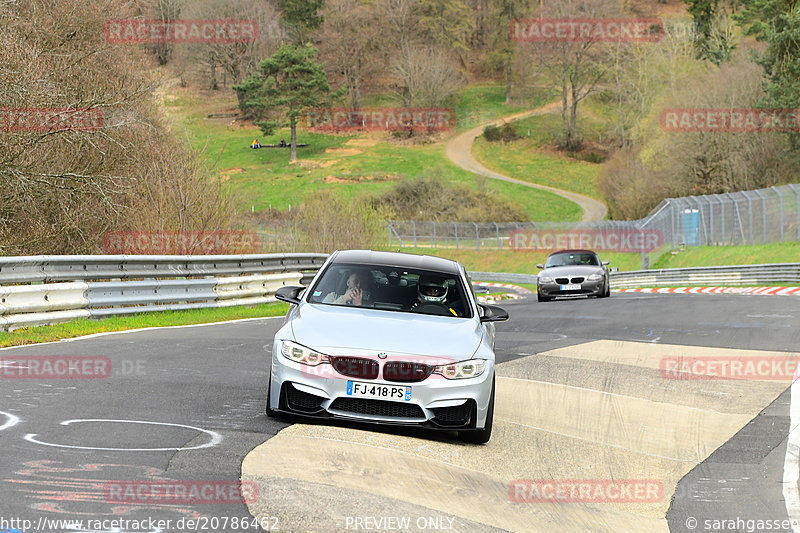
pixel 342 164
pixel 85 326
pixel 524 262
pixel 787 252
pixel 526 159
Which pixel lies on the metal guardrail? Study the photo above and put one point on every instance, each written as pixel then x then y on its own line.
pixel 503 277
pixel 740 275
pixel 736 275
pixel 153 283
pixel 48 268
pixel 159 283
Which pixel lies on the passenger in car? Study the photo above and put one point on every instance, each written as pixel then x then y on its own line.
pixel 355 294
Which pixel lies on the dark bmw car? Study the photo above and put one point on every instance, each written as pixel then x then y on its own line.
pixel 573 272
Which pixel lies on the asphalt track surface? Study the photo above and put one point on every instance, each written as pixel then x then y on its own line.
pixel 580 397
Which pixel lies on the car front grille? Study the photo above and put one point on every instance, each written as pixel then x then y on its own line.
pixel 562 281
pixel 577 280
pixel 377 408
pixel 406 372
pixel 355 367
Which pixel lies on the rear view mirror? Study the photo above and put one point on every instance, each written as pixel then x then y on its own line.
pixel 492 313
pixel 289 294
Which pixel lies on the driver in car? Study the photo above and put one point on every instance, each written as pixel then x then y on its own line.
pixel 432 291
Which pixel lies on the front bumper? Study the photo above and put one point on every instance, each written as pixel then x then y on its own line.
pixel 435 403
pixel 588 288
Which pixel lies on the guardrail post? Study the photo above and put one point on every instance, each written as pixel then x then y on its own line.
pixel 780 207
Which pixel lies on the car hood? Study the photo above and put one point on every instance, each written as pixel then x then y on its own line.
pixel 335 328
pixel 572 270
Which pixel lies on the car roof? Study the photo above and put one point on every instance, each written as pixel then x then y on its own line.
pixel 573 252
pixel 396 259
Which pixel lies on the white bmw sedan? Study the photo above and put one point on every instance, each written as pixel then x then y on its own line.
pixel 387 338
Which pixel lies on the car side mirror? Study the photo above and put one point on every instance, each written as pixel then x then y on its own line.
pixel 492 313
pixel 540 267
pixel 290 294
pixel 605 263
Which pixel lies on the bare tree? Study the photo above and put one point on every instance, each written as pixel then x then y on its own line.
pixel 232 62
pixel 62 186
pixel 349 44
pixel 429 76
pixel 639 73
pixel 575 66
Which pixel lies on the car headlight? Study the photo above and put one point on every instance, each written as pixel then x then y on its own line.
pixel 545 279
pixel 595 277
pixel 462 370
pixel 300 354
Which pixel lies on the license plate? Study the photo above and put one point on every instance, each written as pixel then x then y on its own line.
pixel 378 392
pixel 573 287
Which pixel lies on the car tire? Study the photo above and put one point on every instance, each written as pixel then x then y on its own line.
pixel 542 298
pixel 481 436
pixel 606 293
pixel 272 413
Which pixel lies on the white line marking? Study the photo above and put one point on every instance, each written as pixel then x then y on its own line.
pixel 155 328
pixel 216 438
pixel 791 465
pixel 11 422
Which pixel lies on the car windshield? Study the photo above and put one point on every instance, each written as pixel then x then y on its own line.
pixel 392 289
pixel 570 259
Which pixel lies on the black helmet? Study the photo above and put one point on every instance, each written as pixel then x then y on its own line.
pixel 431 289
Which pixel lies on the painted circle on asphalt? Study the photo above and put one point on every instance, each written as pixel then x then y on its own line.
pixel 214 440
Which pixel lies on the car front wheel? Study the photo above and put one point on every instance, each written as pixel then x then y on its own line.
pixel 481 436
pixel 542 298
pixel 272 413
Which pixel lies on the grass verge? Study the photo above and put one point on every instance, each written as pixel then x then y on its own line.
pixel 85 326
pixel 786 252
pixel 347 165
pixel 524 262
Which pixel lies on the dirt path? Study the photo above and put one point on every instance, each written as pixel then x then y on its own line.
pixel 459 151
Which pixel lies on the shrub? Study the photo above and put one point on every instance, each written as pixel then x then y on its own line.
pixel 506 133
